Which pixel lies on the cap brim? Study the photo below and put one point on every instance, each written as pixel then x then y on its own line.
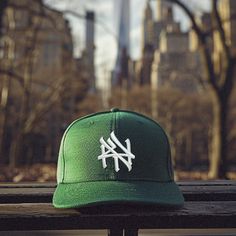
pixel 73 195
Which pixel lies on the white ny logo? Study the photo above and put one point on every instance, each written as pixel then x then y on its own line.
pixel 108 150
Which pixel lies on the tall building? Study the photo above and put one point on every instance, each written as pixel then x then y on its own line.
pixel 36 45
pixel 151 32
pixel 174 65
pixel 164 11
pixel 121 71
pixel 90 48
pixel 164 46
pixel 148 45
pixel 147 25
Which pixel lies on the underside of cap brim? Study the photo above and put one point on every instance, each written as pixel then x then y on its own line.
pixel 85 194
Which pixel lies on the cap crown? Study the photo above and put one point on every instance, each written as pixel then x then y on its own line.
pixel 138 149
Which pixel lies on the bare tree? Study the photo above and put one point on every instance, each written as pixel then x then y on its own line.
pixel 220 84
pixel 34 108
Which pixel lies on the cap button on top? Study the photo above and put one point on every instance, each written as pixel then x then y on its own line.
pixel 114 109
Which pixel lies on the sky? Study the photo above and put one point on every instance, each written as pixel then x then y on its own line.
pixel 105 29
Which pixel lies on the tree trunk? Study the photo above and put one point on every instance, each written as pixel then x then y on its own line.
pixel 4 114
pixel 15 149
pixel 218 157
pixel 18 135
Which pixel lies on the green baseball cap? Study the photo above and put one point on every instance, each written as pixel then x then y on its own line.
pixel 115 157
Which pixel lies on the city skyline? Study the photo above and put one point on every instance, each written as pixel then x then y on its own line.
pixel 105 33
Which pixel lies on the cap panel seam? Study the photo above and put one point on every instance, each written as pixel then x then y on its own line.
pixel 169 161
pixel 115 126
pixel 111 124
pixel 63 152
pixel 168 155
pixel 113 129
pixel 117 123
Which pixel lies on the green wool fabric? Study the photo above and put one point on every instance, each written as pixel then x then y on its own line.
pixel 84 181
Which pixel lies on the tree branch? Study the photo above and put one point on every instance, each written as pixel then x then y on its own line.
pixel 225 20
pixel 52 97
pixel 12 74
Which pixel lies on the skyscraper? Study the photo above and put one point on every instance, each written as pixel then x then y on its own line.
pixel 122 8
pixel 147 29
pixel 148 43
pixel 90 48
pixel 164 11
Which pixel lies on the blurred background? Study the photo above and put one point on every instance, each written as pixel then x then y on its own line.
pixel 172 60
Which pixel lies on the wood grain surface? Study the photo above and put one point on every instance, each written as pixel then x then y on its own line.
pixel 209 204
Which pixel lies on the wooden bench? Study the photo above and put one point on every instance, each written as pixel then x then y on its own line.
pixel 209 204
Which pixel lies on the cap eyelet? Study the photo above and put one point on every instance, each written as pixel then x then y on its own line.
pixel 114 109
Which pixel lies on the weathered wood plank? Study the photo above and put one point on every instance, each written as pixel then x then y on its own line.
pixel 192 192
pixel 28 185
pixel 26 195
pixel 45 217
pixel 131 232
pixel 180 183
pixel 207 183
pixel 115 232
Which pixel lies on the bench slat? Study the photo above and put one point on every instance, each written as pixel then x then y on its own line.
pixel 193 191
pixel 180 183
pixel 43 216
